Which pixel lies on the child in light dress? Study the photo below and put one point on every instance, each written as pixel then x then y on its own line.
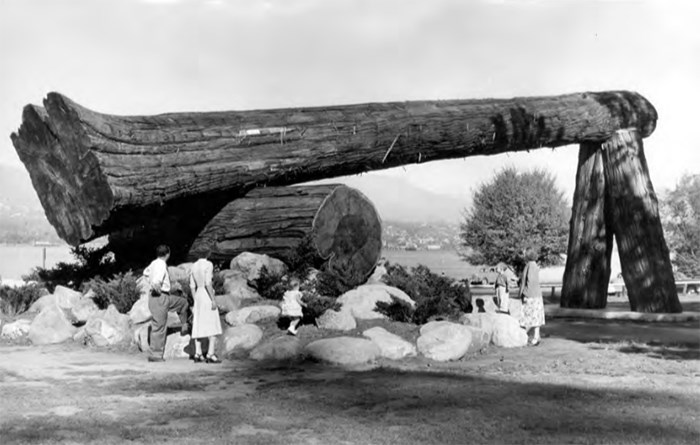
pixel 292 305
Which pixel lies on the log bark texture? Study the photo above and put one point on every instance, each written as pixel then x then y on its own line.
pixel 634 218
pixel 98 173
pixel 341 224
pixel 587 270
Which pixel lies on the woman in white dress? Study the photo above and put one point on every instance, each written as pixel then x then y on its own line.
pixel 205 314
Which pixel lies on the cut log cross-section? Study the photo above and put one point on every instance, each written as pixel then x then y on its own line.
pixel 339 222
pixel 634 218
pixel 587 270
pixel 96 173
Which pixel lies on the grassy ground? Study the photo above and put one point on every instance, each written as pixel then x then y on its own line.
pixel 588 382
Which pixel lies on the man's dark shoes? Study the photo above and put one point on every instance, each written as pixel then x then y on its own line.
pixel 153 358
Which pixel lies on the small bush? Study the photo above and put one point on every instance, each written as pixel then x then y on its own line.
pixel 122 291
pixel 303 258
pixel 316 305
pixel 91 263
pixel 436 296
pixel 270 285
pixel 397 310
pixel 332 281
pixel 16 300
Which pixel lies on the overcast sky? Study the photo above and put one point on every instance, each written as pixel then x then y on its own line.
pixel 153 56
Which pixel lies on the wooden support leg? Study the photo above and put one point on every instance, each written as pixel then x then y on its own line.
pixel 587 269
pixel 634 217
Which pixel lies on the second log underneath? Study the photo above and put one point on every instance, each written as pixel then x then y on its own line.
pixel 341 224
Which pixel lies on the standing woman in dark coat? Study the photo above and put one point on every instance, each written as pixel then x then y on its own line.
pixel 532 317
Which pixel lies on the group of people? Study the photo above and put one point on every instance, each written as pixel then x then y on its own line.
pixel 527 305
pixel 206 321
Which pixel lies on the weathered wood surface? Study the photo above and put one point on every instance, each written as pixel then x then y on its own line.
pixel 98 173
pixel 587 270
pixel 634 218
pixel 341 224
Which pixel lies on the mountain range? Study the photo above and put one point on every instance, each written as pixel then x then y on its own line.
pixel 22 218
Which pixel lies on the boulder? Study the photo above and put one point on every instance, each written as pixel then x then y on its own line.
pixel 141 336
pixel 16 329
pixel 279 348
pixel 241 338
pixel 107 327
pixel 480 340
pixel 343 350
pixel 228 302
pixel 336 321
pixel 82 309
pixel 52 325
pixel 361 302
pixel 80 336
pixel 177 346
pixel 391 345
pixel 444 341
pixel 62 297
pixel 180 273
pixel 377 275
pixel 249 265
pixel 237 286
pixel 252 314
pixel 139 312
pixel 504 330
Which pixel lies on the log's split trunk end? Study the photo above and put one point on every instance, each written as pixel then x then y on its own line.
pixel 67 177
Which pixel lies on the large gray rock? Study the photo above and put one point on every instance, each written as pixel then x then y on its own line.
pixel 141 336
pixel 177 346
pixel 139 312
pixel 252 314
pixel 228 302
pixel 336 321
pixel 52 325
pixel 279 348
pixel 377 275
pixel 241 338
pixel 180 273
pixel 62 297
pixel 249 265
pixel 444 341
pixel 236 285
pixel 504 330
pixel 391 345
pixel 16 329
pixel 480 340
pixel 82 309
pixel 361 302
pixel 107 327
pixel 343 350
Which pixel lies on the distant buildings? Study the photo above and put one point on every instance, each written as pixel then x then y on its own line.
pixel 420 236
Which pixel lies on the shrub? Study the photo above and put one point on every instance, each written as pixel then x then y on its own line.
pixel 16 300
pixel 303 258
pixel 270 285
pixel 316 305
pixel 436 296
pixel 397 310
pixel 332 282
pixel 91 263
pixel 122 291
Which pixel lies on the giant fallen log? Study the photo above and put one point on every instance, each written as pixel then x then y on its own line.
pixel 340 224
pixel 98 173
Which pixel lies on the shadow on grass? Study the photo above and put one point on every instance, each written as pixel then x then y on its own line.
pixel 673 341
pixel 322 405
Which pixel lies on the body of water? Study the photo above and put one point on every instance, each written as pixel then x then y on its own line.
pixel 439 261
pixel 19 260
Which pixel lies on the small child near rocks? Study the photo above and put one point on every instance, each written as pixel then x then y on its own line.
pixel 292 306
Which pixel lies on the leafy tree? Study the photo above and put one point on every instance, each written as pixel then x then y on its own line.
pixel 680 213
pixel 514 217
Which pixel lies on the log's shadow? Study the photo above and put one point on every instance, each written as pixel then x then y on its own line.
pixel 381 406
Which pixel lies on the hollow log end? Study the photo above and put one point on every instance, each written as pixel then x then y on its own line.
pixel 66 175
pixel 629 109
